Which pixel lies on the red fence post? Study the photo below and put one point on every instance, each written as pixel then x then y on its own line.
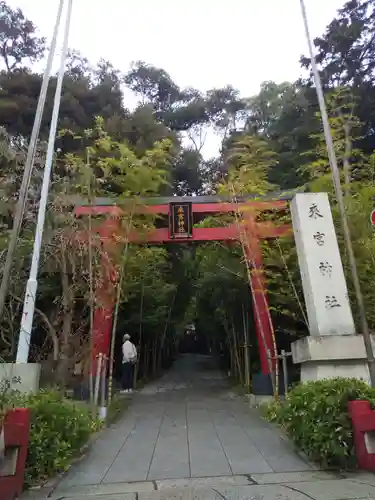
pixel 16 437
pixel 363 419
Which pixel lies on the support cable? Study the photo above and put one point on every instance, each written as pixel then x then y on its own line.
pixel 340 199
pixel 32 284
pixel 22 197
pixel 290 278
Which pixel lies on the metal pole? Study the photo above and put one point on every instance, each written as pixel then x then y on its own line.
pixel 31 287
pixel 22 197
pixel 97 379
pixel 340 200
pixel 103 407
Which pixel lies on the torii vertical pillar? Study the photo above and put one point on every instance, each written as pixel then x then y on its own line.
pixel 105 294
pixel 262 382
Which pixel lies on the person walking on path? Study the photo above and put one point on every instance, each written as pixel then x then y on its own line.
pixel 129 358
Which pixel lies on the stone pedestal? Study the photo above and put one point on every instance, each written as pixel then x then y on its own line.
pixel 22 377
pixel 331 356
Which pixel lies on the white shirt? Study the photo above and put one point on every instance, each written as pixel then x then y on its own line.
pixel 128 351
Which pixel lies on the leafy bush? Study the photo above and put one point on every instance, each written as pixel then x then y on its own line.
pixel 59 428
pixel 315 416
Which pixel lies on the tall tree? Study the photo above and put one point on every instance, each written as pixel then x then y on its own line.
pixel 283 114
pixel 346 51
pixel 153 85
pixel 19 41
pixel 346 56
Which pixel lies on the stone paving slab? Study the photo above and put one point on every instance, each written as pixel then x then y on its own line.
pixel 121 496
pixel 103 489
pixel 294 477
pixel 265 492
pixel 188 424
pixel 312 485
pixel 171 453
pixel 360 477
pixel 339 489
pixel 268 492
pixel 189 431
pixel 204 482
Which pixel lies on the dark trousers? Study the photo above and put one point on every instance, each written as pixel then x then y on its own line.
pixel 127 376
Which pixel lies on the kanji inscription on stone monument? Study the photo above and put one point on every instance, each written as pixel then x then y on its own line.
pixel 323 280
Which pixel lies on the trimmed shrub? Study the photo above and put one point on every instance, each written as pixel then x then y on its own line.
pixel 315 416
pixel 59 429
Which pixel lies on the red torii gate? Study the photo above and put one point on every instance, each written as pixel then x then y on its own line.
pixel 253 231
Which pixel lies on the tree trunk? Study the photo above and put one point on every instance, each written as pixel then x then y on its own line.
pixel 154 357
pixel 66 330
pixel 236 354
pixel 136 368
pixel 146 361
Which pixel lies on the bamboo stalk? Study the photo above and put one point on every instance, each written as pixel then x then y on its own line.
pixel 166 328
pixel 236 353
pixel 136 369
pixel 285 371
pixel 91 289
pixel 115 317
pixel 246 348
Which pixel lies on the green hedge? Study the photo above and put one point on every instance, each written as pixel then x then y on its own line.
pixel 315 416
pixel 59 428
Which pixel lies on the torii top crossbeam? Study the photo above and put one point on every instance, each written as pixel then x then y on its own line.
pixel 179 210
pixel 200 205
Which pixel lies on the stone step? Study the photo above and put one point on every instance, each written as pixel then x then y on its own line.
pixel 327 489
pixel 253 492
pixel 280 486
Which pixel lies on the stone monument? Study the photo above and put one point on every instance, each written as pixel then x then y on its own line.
pixel 21 377
pixel 332 349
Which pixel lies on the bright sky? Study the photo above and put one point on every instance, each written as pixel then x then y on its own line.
pixel 200 43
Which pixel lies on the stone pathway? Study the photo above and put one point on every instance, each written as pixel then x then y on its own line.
pixel 189 436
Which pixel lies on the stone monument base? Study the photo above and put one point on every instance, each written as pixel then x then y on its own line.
pixel 332 356
pixel 22 377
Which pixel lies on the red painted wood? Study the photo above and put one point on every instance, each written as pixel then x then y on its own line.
pixel 363 420
pixel 263 325
pixel 16 435
pixel 198 208
pixel 105 289
pixel 102 331
pixel 98 210
pixel 110 234
pixel 263 230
